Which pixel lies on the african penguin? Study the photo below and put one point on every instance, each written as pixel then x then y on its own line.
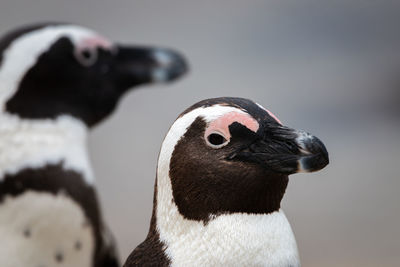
pixel 222 172
pixel 57 81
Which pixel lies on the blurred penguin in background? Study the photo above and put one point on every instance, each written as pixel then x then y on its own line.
pixel 56 82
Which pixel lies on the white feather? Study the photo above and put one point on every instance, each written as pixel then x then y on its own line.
pixel 36 143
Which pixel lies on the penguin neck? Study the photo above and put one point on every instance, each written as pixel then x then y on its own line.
pixel 36 143
pixel 237 239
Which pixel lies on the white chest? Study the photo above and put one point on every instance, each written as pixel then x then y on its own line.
pixel 36 143
pixel 43 230
pixel 234 240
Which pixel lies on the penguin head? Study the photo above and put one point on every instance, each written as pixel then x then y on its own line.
pixel 54 69
pixel 231 155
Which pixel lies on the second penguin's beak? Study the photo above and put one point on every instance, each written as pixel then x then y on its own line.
pixel 140 65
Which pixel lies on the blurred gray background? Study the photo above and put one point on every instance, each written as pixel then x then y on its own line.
pixel 329 67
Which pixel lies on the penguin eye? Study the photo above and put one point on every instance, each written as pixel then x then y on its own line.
pixel 216 140
pixel 87 57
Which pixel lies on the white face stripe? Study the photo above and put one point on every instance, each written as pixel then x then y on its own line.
pixel 24 51
pixel 36 143
pixel 228 239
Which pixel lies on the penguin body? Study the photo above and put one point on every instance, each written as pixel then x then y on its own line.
pixel 222 172
pixel 57 81
pixel 68 237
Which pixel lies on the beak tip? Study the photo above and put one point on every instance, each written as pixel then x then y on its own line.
pixel 171 65
pixel 316 157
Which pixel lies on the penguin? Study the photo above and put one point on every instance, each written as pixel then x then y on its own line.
pixel 222 172
pixel 57 81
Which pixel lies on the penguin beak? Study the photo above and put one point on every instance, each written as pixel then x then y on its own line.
pixel 313 155
pixel 285 150
pixel 140 65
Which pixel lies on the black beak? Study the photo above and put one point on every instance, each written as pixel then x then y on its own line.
pixel 141 65
pixel 284 150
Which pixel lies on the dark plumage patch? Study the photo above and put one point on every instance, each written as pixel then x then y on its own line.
pixel 151 252
pixel 50 89
pixel 54 179
pixel 78 245
pixel 204 183
pixel 27 233
pixel 59 257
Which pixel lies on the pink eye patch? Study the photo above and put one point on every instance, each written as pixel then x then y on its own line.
pixel 94 42
pixel 221 125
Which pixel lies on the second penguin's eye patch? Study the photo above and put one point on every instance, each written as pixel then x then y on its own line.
pixel 86 51
pixel 87 56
